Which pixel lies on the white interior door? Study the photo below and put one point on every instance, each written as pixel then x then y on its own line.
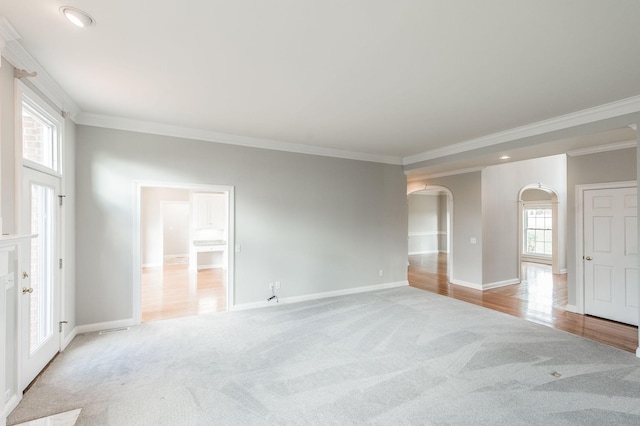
pixel 611 254
pixel 39 291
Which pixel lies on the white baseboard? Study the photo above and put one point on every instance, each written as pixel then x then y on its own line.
pixel 315 296
pixel 500 284
pixel 215 266
pixel 638 352
pixel 151 265
pixel 466 284
pixel 412 253
pixel 91 328
pixel 69 338
pixel 11 405
pixel 572 308
pixel 176 256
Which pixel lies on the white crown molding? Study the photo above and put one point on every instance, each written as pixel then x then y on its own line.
pixel 602 148
pixel 120 123
pixel 443 174
pixel 589 115
pixel 20 58
pixel 7 32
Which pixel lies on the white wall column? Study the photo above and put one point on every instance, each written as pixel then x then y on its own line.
pixel 635 127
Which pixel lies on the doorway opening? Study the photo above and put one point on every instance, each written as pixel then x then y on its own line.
pixel 183 263
pixel 429 231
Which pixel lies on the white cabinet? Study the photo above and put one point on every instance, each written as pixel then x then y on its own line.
pixel 209 233
pixel 12 256
pixel 209 211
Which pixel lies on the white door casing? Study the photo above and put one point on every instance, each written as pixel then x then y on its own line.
pixel 611 254
pixel 39 286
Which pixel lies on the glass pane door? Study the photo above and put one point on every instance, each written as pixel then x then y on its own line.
pixel 42 265
pixel 39 291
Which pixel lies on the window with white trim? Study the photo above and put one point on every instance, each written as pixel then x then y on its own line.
pixel 537 224
pixel 42 129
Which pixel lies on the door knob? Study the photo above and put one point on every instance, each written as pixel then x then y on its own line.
pixel 588 258
pixel 25 275
pixel 26 290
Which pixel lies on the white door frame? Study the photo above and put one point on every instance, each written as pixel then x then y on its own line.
pixel 137 236
pixel 580 189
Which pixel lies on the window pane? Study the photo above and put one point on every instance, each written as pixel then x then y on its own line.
pixel 42 216
pixel 39 138
pixel 538 231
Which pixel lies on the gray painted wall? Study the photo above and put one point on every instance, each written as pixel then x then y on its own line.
pixel 315 224
pixel 443 218
pixel 7 153
pixel 467 223
pixel 423 223
pixel 611 166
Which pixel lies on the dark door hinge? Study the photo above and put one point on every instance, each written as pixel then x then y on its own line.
pixel 60 325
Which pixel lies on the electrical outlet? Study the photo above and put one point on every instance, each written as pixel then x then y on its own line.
pixel 277 285
pixel 271 286
pixel 380 273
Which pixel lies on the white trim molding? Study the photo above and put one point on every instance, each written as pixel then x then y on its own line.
pixel 101 326
pixel 416 172
pixel 20 58
pixel 489 286
pixel 323 295
pixel 601 112
pixel 121 123
pixel 572 308
pixel 66 340
pixel 466 284
pixel 603 148
pixel 413 253
pixel 426 233
pixel 7 33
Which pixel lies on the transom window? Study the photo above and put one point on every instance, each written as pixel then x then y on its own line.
pixel 41 133
pixel 537 231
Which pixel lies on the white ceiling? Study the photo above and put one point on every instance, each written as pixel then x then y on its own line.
pixel 391 79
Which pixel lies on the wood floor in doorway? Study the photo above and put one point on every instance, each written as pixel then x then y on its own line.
pixel 541 298
pixel 173 291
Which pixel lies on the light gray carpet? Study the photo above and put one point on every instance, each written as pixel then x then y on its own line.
pixel 400 356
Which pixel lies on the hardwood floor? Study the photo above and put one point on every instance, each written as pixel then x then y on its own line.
pixel 173 291
pixel 541 298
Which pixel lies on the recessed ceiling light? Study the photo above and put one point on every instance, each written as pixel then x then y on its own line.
pixel 505 157
pixel 77 17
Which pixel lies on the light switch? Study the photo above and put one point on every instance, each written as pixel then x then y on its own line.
pixel 473 240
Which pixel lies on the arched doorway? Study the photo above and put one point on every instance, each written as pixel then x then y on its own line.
pixel 430 225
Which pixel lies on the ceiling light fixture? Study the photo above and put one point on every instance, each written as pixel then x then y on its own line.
pixel 77 17
pixel 505 157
